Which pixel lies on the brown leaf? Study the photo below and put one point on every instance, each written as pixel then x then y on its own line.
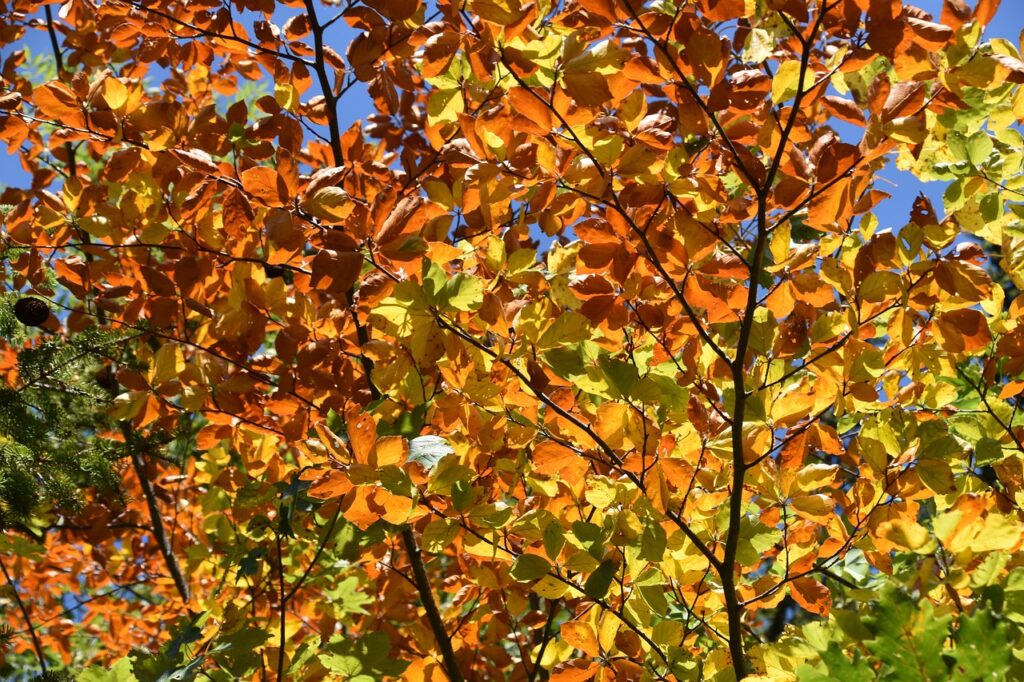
pixel 1014 65
pixel 930 35
pixel 399 220
pixel 196 159
pixel 904 99
pixel 843 109
pixel 10 100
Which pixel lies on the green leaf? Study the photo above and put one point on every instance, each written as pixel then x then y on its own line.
pixel 979 146
pixel 237 652
pixel 554 539
pixel 653 542
pixel 438 535
pixel 786 83
pixel 879 286
pixel 528 567
pixel 366 659
pixel 119 672
pixel 622 376
pixel 838 667
pixel 987 450
pixel 463 292
pixel 566 362
pixel 569 327
pixel 982 651
pixel 434 281
pixel 463 495
pixel 600 581
pixel 1013 596
pixel 591 536
pixel 909 638
pixel 346 597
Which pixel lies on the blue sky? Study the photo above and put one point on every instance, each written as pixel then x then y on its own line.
pixel 356 104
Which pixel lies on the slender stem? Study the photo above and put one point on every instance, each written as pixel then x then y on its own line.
pixel 327 89
pixel 734 609
pixel 283 603
pixel 36 644
pixel 328 534
pixel 444 643
pixel 162 541
pixel 211 34
pixel 331 108
pixel 988 408
pixel 552 610
pixel 59 59
pixel 739 465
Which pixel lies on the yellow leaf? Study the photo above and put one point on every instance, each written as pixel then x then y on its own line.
pixel 127 405
pixel 444 106
pixel 286 95
pixel 115 94
pixel 787 83
pixel 330 203
pixel 817 508
pixel 609 628
pixel 600 492
pixel 905 533
pixel 390 450
pixel 550 587
pixel 556 653
pixel 167 364
pixel 814 476
pixel 998 533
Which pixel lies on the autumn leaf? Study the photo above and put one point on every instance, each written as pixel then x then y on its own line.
pixel 580 341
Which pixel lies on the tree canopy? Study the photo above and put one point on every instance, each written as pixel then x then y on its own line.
pixel 584 356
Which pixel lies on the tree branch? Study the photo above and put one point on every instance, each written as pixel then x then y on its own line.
pixel 444 643
pixel 36 644
pixel 159 533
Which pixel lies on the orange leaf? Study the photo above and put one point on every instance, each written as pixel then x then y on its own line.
pixel 1011 389
pixel 395 508
pixel 723 10
pixel 362 435
pixel 56 101
pixel 333 484
pixel 524 103
pixel 357 509
pixel 811 595
pixel 550 458
pixel 265 185
pixel 390 450
pixel 581 636
pixel 962 331
pixel 576 671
